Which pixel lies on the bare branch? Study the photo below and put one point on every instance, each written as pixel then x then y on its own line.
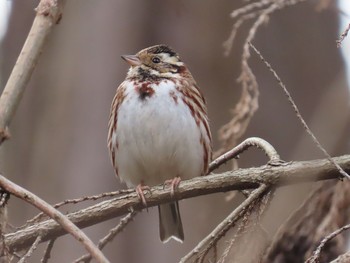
pixel 40 216
pixel 248 102
pixel 343 36
pixel 228 44
pixel 221 229
pixel 294 172
pixel 48 250
pixel 110 236
pixel 250 7
pixel 296 110
pixel 266 147
pixel 61 219
pixel 31 250
pixel 315 258
pixel 48 14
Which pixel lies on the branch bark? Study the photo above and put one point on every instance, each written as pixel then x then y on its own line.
pixel 48 14
pixel 291 173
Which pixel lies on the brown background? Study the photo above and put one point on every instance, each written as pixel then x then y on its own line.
pixel 58 146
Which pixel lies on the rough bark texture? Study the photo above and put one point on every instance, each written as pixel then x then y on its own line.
pixel 324 211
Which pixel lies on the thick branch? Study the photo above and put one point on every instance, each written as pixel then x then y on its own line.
pixel 294 172
pixel 48 14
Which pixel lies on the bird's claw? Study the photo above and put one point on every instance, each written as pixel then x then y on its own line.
pixel 174 184
pixel 139 191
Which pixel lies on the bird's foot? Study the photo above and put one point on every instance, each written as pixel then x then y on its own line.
pixel 174 183
pixel 139 191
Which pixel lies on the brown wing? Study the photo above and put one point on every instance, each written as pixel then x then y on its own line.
pixel 113 121
pixel 194 99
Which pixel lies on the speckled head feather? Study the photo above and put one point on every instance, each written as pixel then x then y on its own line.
pixel 162 49
pixel 156 62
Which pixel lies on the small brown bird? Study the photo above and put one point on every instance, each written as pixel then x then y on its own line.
pixel 158 129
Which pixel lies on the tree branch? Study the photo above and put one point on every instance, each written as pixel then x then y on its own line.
pixel 225 225
pixel 30 251
pixel 110 236
pixel 59 218
pixel 47 253
pixel 297 112
pixel 315 258
pixel 48 14
pixel 292 173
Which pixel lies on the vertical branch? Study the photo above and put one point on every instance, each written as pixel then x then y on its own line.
pixel 48 14
pixel 48 250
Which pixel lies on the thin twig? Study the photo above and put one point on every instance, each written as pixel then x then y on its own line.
pixel 110 236
pixel 315 258
pixel 61 219
pixel 250 219
pixel 228 43
pixel 223 227
pixel 48 14
pixel 241 179
pixel 31 250
pixel 47 253
pixel 93 197
pixel 41 216
pixel 297 112
pixel 248 102
pixel 265 146
pixel 250 228
pixel 250 7
pixel 239 232
pixel 343 36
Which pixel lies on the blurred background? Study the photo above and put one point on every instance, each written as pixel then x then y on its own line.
pixel 58 145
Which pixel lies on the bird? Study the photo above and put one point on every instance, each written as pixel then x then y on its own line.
pixel 158 129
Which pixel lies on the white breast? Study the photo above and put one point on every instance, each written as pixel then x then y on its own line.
pixel 157 137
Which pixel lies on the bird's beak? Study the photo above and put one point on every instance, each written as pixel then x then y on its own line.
pixel 132 60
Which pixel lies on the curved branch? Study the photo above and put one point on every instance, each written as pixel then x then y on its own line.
pixel 295 172
pixel 58 217
pixel 265 146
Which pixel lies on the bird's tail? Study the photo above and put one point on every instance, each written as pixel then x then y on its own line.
pixel 170 225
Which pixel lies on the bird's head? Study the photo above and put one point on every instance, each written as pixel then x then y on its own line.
pixel 158 61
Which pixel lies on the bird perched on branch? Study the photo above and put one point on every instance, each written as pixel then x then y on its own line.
pixel 158 129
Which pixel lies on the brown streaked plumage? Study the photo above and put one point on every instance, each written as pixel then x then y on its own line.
pixel 159 129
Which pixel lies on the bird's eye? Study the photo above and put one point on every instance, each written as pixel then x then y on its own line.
pixel 156 60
